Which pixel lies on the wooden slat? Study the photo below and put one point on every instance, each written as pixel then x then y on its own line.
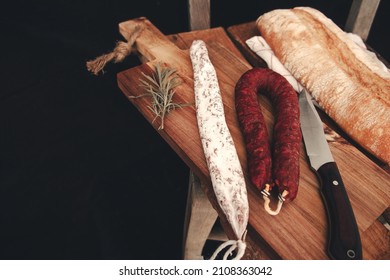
pixel 200 218
pixel 361 16
pixel 199 14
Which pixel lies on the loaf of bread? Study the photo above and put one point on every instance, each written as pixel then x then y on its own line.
pixel 347 82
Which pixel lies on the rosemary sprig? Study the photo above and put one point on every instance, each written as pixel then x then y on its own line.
pixel 160 86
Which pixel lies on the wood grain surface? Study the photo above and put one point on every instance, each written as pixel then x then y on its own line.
pixel 300 230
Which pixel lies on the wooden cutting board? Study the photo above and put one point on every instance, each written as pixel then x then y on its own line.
pixel 299 231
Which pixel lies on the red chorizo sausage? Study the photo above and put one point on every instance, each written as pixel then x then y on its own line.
pixel 281 167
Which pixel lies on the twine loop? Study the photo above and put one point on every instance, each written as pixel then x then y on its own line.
pixel 121 51
pixel 240 245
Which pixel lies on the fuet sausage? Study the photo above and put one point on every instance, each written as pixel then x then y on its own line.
pixel 221 156
pixel 280 167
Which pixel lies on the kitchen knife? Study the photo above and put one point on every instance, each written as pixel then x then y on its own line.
pixel 343 235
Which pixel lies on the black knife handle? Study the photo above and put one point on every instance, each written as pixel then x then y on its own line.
pixel 344 240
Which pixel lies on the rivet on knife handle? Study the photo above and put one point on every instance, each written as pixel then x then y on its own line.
pixel 344 240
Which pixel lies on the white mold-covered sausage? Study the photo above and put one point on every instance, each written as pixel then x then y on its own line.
pixel 221 156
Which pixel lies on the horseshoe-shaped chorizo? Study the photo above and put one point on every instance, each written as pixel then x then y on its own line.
pixel 281 167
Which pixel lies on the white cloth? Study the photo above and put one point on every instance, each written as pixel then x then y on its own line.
pixel 262 49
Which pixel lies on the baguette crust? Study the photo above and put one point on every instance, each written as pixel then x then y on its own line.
pixel 343 78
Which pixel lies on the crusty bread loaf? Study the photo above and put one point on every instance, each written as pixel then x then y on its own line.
pixel 345 80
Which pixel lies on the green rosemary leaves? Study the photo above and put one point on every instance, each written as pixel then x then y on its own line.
pixel 160 86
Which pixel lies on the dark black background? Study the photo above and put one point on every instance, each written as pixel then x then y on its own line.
pixel 82 174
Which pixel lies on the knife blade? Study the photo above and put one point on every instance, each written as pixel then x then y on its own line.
pixel 343 234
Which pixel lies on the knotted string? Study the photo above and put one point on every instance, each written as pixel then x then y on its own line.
pixel 267 207
pixel 266 194
pixel 240 245
pixel 120 52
